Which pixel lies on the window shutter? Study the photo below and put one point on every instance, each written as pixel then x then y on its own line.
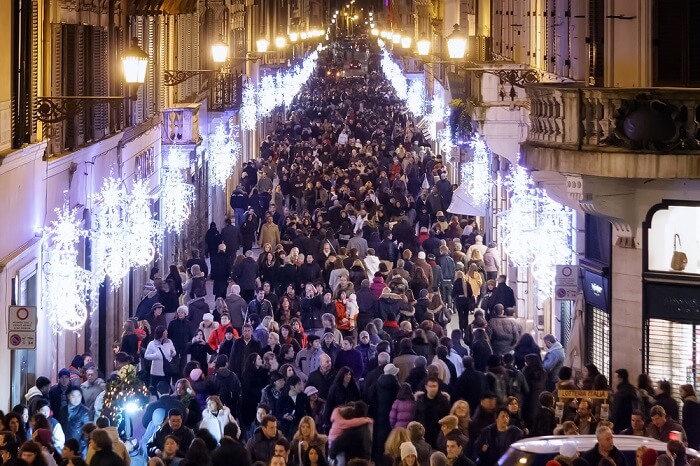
pixel 74 61
pixel 598 328
pixel 34 83
pixel 163 61
pixel 57 130
pixel 138 105
pixel 596 23
pixel 151 106
pixel 99 79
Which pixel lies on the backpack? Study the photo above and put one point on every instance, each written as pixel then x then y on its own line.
pixel 500 386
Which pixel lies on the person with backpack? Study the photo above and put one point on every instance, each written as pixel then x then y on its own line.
pixel 225 384
pixel 497 379
pixel 518 384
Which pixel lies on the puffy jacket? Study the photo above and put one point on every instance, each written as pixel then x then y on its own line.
pixel 389 302
pixel 504 336
pixel 378 286
pixel 262 448
pixel 311 312
pixel 72 419
pixel 447 264
pixel 402 412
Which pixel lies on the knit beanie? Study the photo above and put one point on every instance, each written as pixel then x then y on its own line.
pixel 407 448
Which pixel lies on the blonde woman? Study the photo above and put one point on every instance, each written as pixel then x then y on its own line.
pixel 307 436
pixel 392 446
pixel 460 408
pixel 215 417
pixel 475 280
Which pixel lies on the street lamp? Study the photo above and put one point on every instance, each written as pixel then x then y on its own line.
pixel 293 36
pixel 396 38
pixel 375 31
pixel 304 35
pixel 262 45
pixel 55 109
pixel 134 63
pixel 406 42
pixel 423 46
pixel 280 42
pixel 219 51
pixel 456 44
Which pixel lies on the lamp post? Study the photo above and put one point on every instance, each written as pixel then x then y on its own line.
pixel 54 109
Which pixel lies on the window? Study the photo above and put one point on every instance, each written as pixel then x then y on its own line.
pixel 598 329
pixel 676 41
pixel 683 221
pixel 673 353
pixel 598 239
pixel 24 61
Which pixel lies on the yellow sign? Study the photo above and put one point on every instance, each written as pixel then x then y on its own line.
pixel 592 394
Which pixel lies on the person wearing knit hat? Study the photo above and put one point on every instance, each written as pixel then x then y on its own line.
pixel 409 454
pixel 421 255
pixel 391 369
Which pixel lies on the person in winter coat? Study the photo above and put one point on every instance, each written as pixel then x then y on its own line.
pixel 262 444
pixel 350 357
pixel 101 441
pixel 220 271
pixel 406 358
pixel 74 415
pixel 554 360
pixel 536 379
pixel 355 438
pixel 382 400
pixel 224 384
pixel 495 440
pixel 403 409
pixel 208 326
pixel 254 379
pixel 432 406
pixel 200 350
pixel 505 332
pixel 248 230
pixel 181 334
pixel 270 233
pixel 244 274
pixel 215 417
pixel 158 351
pixel 378 286
pixel 526 345
pixel 212 239
pixel 292 406
pixel 691 413
pixel 343 390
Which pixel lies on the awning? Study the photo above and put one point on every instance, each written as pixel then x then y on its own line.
pixel 463 204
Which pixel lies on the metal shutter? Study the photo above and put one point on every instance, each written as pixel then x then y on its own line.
pixel 151 78
pixel 596 57
pixel 138 105
pixel 598 330
pixel 673 353
pixel 56 131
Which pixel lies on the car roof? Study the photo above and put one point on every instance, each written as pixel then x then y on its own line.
pixel 552 443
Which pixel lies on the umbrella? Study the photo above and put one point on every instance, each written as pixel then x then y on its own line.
pixel 463 204
pixel 575 345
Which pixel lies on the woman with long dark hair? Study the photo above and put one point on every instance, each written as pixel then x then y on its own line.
pixel 343 390
pixel 174 275
pixel 253 380
pixel 130 341
pixel 14 423
pixel 314 457
pixel 481 349
pixel 525 345
pixel 589 372
pixel 536 379
pixel 463 299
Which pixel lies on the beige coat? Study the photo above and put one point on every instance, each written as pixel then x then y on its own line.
pixel 270 233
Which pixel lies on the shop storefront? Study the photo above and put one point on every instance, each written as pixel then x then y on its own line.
pixel 596 268
pixel 671 298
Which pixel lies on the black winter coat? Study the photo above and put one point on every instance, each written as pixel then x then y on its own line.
pixel 180 333
pixel 245 274
pixel 429 412
pixel 489 436
pixel 106 458
pixel 72 420
pixel 226 385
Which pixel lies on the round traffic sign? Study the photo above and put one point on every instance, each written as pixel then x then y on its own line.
pixel 22 313
pixel 15 339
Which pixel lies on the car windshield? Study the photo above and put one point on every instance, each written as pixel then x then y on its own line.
pixel 515 457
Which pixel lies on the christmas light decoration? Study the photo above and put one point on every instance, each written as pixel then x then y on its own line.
pixel 177 196
pixel 66 285
pixel 248 108
pixel 110 251
pixel 393 73
pixel 438 111
pixel 124 394
pixel 476 174
pixel 224 150
pixel 444 138
pixel 535 231
pixel 144 234
pixel 268 96
pixel 416 98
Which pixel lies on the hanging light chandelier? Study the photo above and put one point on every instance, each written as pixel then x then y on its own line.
pixel 66 285
pixel 476 175
pixel 222 157
pixel 110 251
pixel 177 196
pixel 144 234
pixel 416 98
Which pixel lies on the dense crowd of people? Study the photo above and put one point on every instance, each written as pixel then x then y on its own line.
pixel 372 326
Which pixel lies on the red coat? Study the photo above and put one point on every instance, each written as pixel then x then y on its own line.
pixel 218 336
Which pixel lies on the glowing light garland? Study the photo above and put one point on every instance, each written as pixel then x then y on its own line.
pixel 438 111
pixel 535 231
pixel 177 197
pixel 224 150
pixel 444 139
pixel 66 285
pixel 110 251
pixel 144 234
pixel 416 98
pixel 268 96
pixel 393 73
pixel 476 174
pixel 248 108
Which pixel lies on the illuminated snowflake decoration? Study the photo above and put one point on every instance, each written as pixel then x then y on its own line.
pixel 221 161
pixel 536 231
pixel 268 96
pixel 110 251
pixel 393 73
pixel 444 139
pixel 177 196
pixel 416 98
pixel 143 232
pixel 438 111
pixel 66 285
pixel 476 174
pixel 248 108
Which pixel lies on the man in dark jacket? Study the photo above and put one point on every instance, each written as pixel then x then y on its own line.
pixel 245 274
pixel 195 259
pixel 311 310
pixel 502 294
pixel 495 440
pixel 225 384
pixel 454 449
pixel 239 204
pixel 624 401
pixel 605 448
pixel 231 236
pixel 471 384
pixel 262 444
pixel 662 425
pixel 430 408
pixel 57 393
pixel 74 415
pixel 322 378
pixel 387 250
pixel 260 306
pixel 181 334
pixel 366 302
pixel 505 332
pixel 165 401
pixel 351 357
pixel 484 416
pixel 175 427
pixel 242 348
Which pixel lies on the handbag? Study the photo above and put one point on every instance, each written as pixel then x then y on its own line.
pixel 170 368
pixel 679 260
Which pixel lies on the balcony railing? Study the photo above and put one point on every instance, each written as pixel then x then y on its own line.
pixel 638 119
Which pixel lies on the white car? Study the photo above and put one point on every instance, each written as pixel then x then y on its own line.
pixel 537 451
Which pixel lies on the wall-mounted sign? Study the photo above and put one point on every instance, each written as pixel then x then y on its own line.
pixel 566 282
pixel 595 290
pixel 21 326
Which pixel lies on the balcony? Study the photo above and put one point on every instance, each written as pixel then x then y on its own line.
pixel 613 132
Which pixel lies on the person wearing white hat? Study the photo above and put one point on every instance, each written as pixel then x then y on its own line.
pixel 208 326
pixel 409 454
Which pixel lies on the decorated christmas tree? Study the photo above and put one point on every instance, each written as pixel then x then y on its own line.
pixel 126 392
